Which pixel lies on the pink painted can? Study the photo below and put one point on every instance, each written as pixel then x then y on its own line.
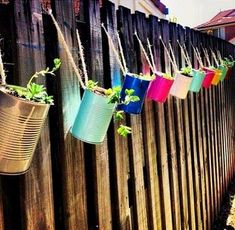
pixel 159 88
pixel 208 77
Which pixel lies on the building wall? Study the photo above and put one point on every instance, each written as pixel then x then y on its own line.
pixel 145 6
pixel 230 32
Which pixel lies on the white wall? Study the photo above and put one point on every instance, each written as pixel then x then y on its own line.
pixel 232 41
pixel 145 6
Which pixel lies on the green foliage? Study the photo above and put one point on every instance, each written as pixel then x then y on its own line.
pixel 124 130
pixel 114 97
pixel 186 71
pixel 227 62
pixel 35 92
pixel 167 76
pixel 91 85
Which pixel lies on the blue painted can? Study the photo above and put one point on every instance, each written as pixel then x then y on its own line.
pixel 140 86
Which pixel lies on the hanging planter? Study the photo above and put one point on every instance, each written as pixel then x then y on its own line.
pixel 140 85
pixel 21 124
pixel 229 73
pixel 216 78
pixel 160 87
pixel 224 70
pixel 23 111
pixel 198 77
pixel 93 118
pixel 98 104
pixel 208 77
pixel 181 85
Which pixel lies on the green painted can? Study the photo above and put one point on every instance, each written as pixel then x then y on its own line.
pixel 198 77
pixel 93 118
pixel 224 72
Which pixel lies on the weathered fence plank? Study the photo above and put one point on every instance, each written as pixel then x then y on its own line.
pixel 174 169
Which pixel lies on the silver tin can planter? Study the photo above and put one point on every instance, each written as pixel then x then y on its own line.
pixel 21 125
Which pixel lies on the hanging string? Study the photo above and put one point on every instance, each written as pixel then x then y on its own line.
pixel 124 69
pixel 169 56
pixel 2 71
pixel 198 56
pixel 66 48
pixel 206 55
pixel 219 56
pixel 81 51
pixel 215 58
pixel 144 52
pixel 151 56
pixel 173 55
pixel 186 57
pixel 122 53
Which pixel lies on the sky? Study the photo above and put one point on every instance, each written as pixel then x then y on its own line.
pixel 195 12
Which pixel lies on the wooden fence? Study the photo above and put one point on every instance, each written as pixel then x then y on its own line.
pixel 171 173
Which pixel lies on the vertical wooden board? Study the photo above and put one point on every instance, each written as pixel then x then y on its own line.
pixel 188 150
pixel 100 154
pixel 36 191
pixel 162 143
pixel 188 147
pixel 119 161
pixel 154 40
pixel 136 140
pixel 193 141
pixel 150 149
pixel 180 145
pixel 205 138
pixel 68 153
pixel 211 156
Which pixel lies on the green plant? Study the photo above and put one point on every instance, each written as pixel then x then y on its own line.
pixel 186 71
pixel 36 92
pixel 227 62
pixel 113 95
pixel 167 76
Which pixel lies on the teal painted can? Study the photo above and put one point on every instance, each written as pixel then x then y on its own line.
pixel 223 72
pixel 198 77
pixel 93 118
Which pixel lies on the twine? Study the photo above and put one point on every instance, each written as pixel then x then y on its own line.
pixel 65 46
pixel 219 56
pixel 173 55
pixel 81 52
pixel 198 56
pixel 121 52
pixel 144 52
pixel 215 58
pixel 151 56
pixel 123 68
pixel 206 55
pixel 2 71
pixel 169 56
pixel 186 57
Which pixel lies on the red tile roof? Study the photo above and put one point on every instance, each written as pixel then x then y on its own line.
pixel 223 18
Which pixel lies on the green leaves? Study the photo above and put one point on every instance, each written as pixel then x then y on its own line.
pixel 186 71
pixel 130 97
pixel 91 85
pixel 124 130
pixel 113 94
pixel 36 92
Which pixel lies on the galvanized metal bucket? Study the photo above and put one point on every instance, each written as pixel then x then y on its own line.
pixel 93 118
pixel 140 86
pixel 181 86
pixel 21 124
pixel 198 77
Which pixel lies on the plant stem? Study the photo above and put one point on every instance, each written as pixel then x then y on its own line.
pixel 2 71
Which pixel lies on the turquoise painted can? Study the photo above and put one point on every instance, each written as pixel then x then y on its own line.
pixel 198 77
pixel 224 70
pixel 93 118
